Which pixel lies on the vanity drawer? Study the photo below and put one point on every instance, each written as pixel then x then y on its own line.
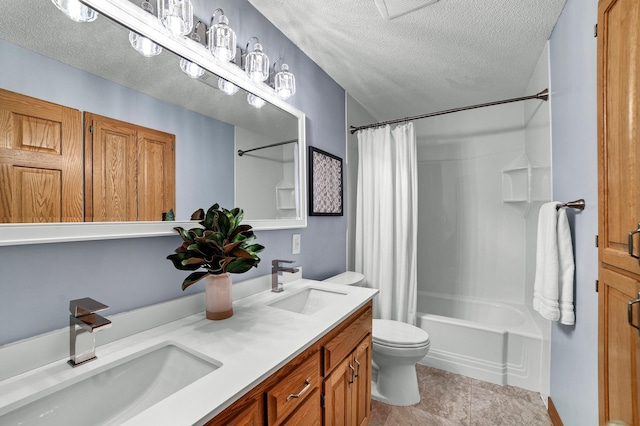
pixel 296 384
pixel 339 345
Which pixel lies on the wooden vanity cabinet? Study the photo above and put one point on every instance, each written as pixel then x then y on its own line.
pixel 347 372
pixel 327 384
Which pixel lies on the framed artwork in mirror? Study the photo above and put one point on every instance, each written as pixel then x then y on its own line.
pixel 325 183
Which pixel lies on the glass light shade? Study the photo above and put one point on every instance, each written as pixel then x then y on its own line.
pixel 191 69
pixel 255 101
pixel 257 65
pixel 222 40
pixel 76 10
pixel 285 83
pixel 143 45
pixel 176 15
pixel 227 87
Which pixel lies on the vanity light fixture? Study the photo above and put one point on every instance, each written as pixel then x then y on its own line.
pixel 255 101
pixel 227 87
pixel 284 82
pixel 256 63
pixel 188 67
pixel 76 11
pixel 142 44
pixel 222 39
pixel 176 15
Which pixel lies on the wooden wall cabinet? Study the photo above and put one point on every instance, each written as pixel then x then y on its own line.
pixel 327 384
pixel 129 171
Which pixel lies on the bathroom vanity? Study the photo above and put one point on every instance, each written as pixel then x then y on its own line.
pixel 330 380
pixel 304 353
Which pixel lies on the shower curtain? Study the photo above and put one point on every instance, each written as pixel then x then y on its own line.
pixel 386 219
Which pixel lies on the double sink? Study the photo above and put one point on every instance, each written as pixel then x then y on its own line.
pixel 124 388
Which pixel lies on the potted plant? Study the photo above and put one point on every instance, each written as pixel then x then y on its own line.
pixel 221 246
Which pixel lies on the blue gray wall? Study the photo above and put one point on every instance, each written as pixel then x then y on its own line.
pixel 37 281
pixel 574 349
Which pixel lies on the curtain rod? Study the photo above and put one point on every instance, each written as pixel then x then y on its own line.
pixel 241 152
pixel 544 95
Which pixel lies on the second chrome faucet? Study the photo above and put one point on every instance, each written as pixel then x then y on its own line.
pixel 276 274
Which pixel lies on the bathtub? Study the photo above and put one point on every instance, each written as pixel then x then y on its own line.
pixel 491 341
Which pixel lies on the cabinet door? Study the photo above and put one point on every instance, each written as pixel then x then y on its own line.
pixel 110 170
pixel 156 174
pixel 308 414
pixel 619 207
pixel 337 394
pixel 361 389
pixel 40 161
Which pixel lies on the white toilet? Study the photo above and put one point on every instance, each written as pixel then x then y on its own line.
pixel 397 347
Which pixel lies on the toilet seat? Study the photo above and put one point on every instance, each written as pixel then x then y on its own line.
pixel 396 334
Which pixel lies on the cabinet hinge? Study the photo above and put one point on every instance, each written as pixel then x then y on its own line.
pixel 596 241
pixel 173 146
pixel 597 284
pixel 595 30
pixel 322 400
pixel 91 129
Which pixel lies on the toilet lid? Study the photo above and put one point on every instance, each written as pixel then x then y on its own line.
pixel 398 334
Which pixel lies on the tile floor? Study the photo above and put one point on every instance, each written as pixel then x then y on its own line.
pixel 451 399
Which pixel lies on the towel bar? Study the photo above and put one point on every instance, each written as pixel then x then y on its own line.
pixel 577 204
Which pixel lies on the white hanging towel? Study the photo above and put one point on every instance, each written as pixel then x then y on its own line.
pixel 553 286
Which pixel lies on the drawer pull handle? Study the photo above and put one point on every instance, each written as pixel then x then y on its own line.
pixel 307 383
pixel 353 374
pixel 358 372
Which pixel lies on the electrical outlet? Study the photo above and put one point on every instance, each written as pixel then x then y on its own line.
pixel 295 244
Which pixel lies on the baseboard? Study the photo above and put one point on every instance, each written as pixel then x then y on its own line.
pixel 553 413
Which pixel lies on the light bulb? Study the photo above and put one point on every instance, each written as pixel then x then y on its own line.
pixel 76 10
pixel 143 45
pixel 257 65
pixel 191 69
pixel 176 15
pixel 285 83
pixel 227 87
pixel 222 40
pixel 255 101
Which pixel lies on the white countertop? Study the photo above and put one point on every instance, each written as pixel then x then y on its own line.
pixel 251 345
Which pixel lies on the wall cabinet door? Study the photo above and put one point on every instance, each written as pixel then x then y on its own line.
pixel 619 208
pixel 40 161
pixel 129 171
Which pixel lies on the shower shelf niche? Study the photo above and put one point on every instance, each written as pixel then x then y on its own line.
pixel 524 184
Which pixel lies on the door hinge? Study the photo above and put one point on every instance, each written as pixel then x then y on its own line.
pixel 91 129
pixel 596 241
pixel 595 30
pixel 597 285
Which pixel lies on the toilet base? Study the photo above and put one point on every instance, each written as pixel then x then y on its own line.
pixel 396 386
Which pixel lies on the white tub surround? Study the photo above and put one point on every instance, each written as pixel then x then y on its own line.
pixel 250 346
pixel 491 341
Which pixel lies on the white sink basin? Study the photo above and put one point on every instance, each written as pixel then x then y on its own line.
pixel 121 390
pixel 308 301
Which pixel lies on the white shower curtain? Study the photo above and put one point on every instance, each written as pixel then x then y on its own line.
pixel 386 219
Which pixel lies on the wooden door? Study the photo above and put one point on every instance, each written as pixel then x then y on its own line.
pixel 156 174
pixel 361 401
pixel 337 394
pixel 40 161
pixel 619 208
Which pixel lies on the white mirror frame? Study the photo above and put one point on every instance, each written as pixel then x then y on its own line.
pixel 134 18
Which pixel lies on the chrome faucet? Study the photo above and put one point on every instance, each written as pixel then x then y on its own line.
pixel 83 322
pixel 276 274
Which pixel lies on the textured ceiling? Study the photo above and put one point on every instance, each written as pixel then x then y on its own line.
pixel 449 54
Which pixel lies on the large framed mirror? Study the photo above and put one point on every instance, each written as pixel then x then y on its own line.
pixel 91 67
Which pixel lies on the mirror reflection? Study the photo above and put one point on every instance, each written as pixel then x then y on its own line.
pixel 91 68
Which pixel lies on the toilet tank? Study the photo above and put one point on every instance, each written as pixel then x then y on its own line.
pixel 347 278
